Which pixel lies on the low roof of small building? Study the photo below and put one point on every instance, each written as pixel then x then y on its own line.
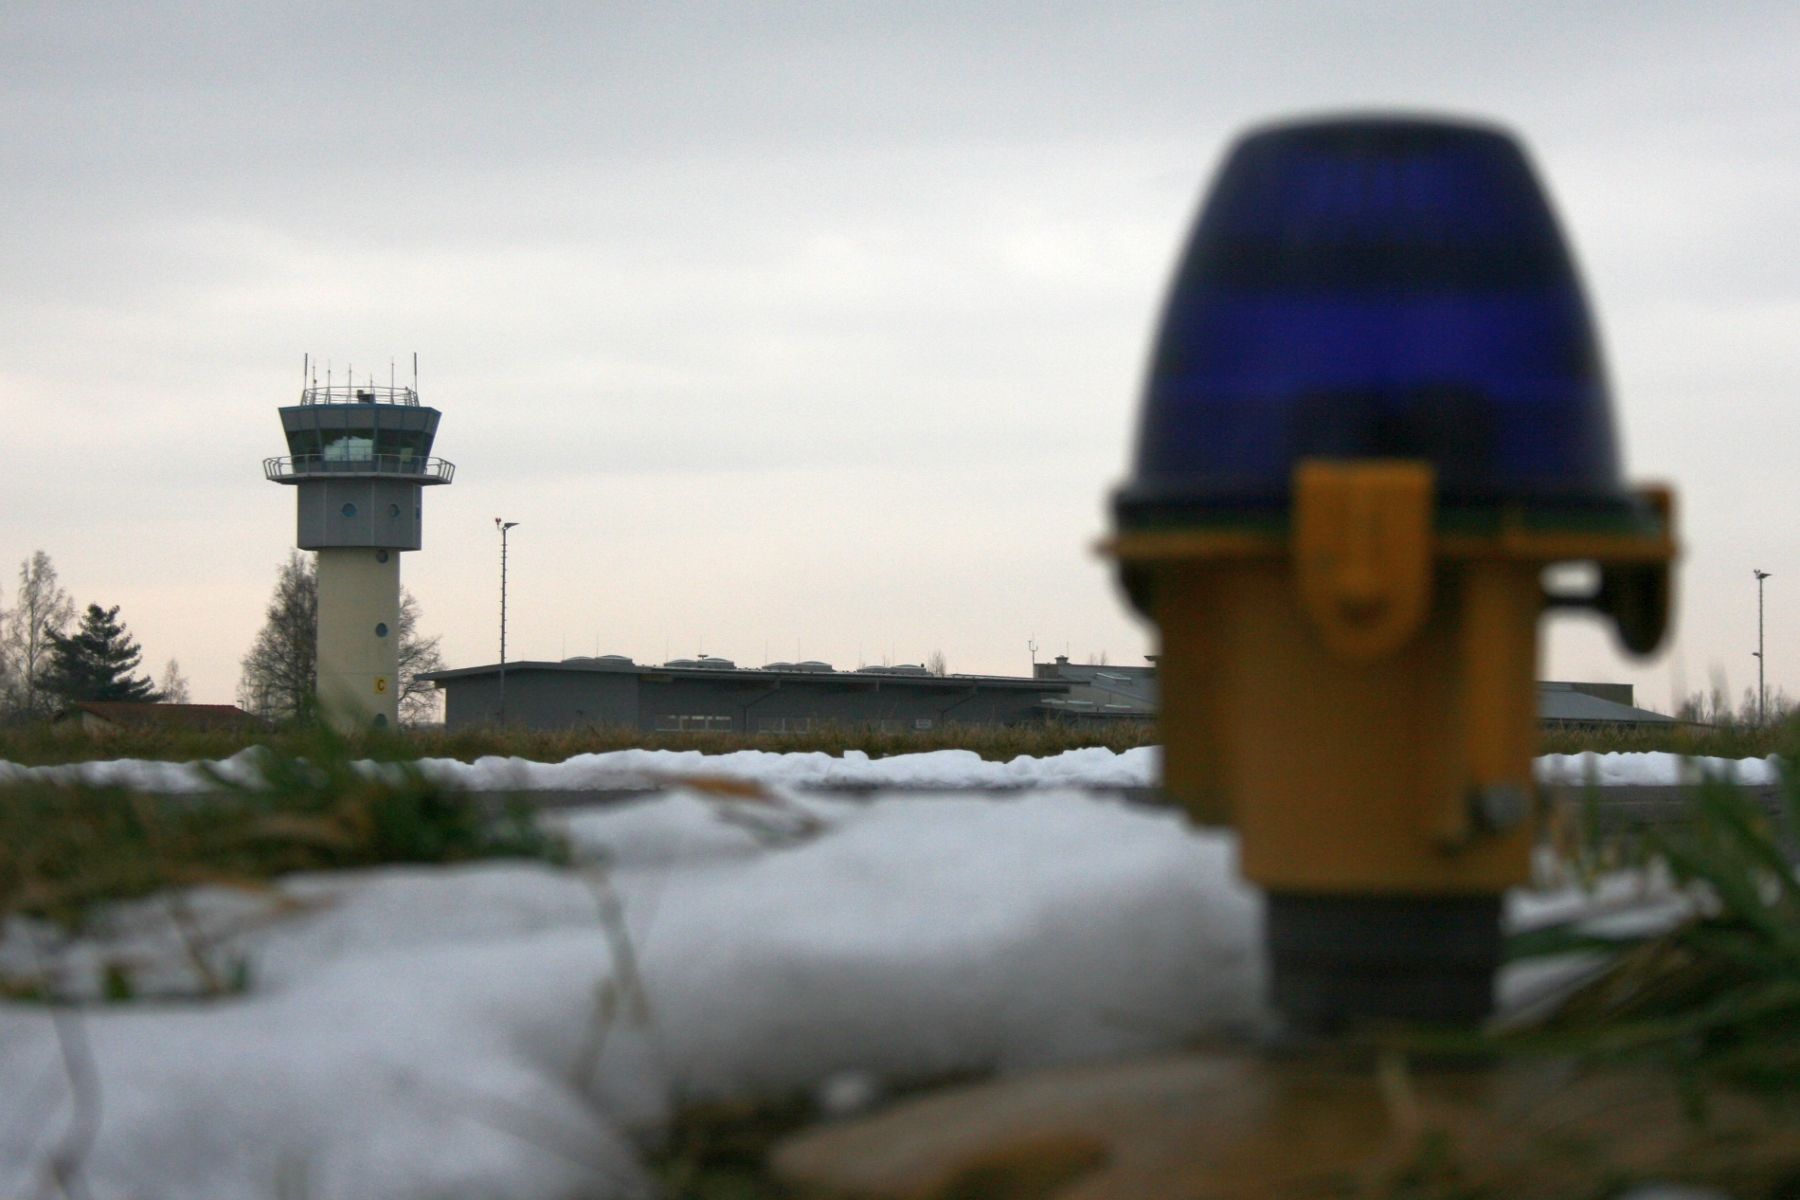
pixel 124 712
pixel 1562 703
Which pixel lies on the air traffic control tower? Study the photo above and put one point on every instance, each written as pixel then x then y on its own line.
pixel 359 457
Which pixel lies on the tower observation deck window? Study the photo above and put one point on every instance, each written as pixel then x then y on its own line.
pixel 339 431
pixel 350 449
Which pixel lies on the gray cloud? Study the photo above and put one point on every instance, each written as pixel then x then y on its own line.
pixel 661 257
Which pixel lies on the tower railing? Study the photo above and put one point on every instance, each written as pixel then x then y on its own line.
pixel 291 468
pixel 359 393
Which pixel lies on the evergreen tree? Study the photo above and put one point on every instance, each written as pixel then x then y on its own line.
pixel 95 662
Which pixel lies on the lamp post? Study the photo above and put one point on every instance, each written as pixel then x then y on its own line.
pixel 503 526
pixel 1762 687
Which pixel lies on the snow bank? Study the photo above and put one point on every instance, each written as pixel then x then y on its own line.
pixel 517 1030
pixel 1094 767
pixel 1653 769
pixel 508 1030
pixel 1090 768
pixel 143 774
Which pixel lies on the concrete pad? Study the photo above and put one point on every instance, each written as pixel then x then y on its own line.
pixel 1236 1124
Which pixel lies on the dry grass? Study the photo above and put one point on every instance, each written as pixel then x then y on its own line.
pixel 42 744
pixel 1707 1010
pixel 1716 999
pixel 1729 739
pixel 65 849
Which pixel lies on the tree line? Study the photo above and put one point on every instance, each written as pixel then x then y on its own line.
pixel 51 659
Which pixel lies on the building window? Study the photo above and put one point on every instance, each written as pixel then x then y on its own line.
pixel 692 722
pixel 790 724
pixel 349 510
pixel 349 449
pixel 381 556
pixel 381 629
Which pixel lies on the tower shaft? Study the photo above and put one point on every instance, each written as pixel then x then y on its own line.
pixel 359 634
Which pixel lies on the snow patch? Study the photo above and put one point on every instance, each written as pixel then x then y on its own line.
pixel 514 1030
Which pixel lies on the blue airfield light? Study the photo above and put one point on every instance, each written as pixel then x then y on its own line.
pixel 1375 412
pixel 1376 287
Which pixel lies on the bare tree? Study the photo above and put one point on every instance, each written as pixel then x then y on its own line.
pixel 7 678
pixel 280 672
pixel 174 685
pixel 937 664
pixel 418 699
pixel 41 609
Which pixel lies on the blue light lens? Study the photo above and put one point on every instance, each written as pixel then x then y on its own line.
pixel 1375 288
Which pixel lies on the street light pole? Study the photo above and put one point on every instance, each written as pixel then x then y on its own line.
pixel 1762 687
pixel 503 526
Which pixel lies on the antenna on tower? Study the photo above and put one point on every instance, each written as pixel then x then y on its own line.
pixel 415 372
pixel 305 366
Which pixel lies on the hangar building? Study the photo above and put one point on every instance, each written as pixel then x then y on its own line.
pixel 711 694
pixel 714 694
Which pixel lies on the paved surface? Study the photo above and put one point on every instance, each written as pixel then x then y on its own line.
pixel 1235 1124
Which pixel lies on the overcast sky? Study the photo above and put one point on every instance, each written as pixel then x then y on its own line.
pixel 802 331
